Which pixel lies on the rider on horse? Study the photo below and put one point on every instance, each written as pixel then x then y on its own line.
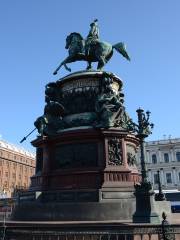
pixel 91 49
pixel 93 36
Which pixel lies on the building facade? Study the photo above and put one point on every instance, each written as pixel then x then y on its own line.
pixel 164 155
pixel 16 167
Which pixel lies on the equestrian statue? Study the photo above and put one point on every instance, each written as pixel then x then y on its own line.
pixel 90 49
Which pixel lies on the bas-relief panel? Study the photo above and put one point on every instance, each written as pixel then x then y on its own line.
pixel 80 83
pixel 85 83
pixel 76 155
pixel 131 155
pixel 114 152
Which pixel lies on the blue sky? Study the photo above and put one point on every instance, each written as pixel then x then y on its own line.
pixel 32 45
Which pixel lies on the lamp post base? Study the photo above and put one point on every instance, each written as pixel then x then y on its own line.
pixel 145 204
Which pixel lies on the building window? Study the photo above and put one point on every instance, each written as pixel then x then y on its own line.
pixel 155 178
pixel 168 178
pixel 166 157
pixel 5 184
pixel 6 174
pixel 178 156
pixel 154 159
pixel 179 176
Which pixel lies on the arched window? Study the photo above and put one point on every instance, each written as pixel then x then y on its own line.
pixel 154 159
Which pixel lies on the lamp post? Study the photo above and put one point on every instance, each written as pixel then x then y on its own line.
pixel 160 195
pixel 143 130
pixel 145 208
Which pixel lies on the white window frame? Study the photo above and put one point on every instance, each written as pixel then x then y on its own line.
pixel 177 151
pixel 171 178
pixel 155 183
pixel 164 157
pixel 152 158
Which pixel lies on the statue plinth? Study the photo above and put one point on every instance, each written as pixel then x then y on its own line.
pixel 86 156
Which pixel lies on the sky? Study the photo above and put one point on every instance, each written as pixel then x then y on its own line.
pixel 32 44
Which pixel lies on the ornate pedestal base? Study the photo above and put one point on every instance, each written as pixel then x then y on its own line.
pixel 113 206
pixel 82 174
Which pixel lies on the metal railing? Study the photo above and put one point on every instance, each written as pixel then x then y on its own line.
pixel 116 231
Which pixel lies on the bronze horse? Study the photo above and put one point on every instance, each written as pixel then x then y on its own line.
pixel 100 52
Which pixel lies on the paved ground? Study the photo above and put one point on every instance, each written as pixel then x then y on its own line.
pixel 175 219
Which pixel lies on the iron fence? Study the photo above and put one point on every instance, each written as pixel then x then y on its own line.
pixel 105 232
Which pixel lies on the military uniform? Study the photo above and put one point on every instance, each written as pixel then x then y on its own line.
pixel 92 37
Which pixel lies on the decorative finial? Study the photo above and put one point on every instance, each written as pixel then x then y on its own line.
pixel 164 216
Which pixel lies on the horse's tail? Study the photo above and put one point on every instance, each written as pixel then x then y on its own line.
pixel 121 48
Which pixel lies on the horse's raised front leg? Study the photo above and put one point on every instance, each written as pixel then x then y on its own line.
pixel 57 69
pixel 63 63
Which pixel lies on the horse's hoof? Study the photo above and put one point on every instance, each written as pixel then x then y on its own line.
pixel 54 73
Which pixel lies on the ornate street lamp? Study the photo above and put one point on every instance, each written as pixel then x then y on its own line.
pixel 143 130
pixel 145 206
